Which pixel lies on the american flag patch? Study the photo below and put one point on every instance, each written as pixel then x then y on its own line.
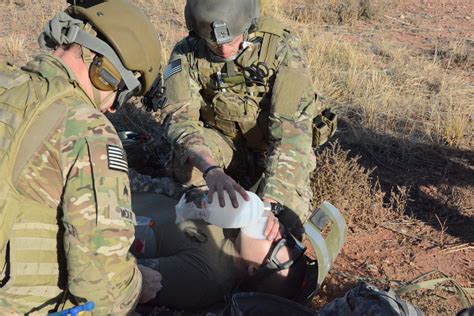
pixel 173 68
pixel 116 158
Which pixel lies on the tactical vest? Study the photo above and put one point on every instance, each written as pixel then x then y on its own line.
pixel 237 98
pixel 28 230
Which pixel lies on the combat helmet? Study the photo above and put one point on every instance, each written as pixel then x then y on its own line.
pixel 220 21
pixel 128 51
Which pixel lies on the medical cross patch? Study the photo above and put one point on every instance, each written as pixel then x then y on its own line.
pixel 116 158
pixel 173 68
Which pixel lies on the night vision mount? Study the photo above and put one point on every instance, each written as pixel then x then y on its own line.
pixel 221 32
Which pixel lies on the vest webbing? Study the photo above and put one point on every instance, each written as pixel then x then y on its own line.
pixel 29 227
pixel 269 31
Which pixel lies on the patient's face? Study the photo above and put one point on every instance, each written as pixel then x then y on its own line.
pixel 255 251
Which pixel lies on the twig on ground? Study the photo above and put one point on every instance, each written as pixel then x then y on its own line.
pixel 411 236
pixel 456 248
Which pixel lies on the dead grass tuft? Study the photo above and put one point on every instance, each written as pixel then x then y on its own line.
pixel 338 12
pixel 398 200
pixel 14 47
pixel 455 54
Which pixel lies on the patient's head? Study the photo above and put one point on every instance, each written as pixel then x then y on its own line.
pixel 256 252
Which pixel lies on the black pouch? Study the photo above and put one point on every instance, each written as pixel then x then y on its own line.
pixel 260 304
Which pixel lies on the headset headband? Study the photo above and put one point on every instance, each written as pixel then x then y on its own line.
pixel 76 35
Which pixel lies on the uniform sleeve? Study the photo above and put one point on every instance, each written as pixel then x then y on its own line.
pixel 97 216
pixel 183 129
pixel 290 158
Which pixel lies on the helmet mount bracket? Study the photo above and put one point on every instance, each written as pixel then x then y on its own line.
pixel 221 32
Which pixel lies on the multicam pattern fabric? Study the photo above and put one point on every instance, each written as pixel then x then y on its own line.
pixel 87 203
pixel 273 118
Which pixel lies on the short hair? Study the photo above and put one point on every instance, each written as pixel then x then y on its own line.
pixel 288 287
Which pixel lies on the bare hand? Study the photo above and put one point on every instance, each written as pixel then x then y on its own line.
pixel 151 283
pixel 218 181
pixel 272 230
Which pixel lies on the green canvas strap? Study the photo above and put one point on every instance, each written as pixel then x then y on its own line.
pixel 464 294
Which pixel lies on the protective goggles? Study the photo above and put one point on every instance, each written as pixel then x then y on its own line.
pixel 272 264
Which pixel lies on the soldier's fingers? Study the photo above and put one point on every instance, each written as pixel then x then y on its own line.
pixel 278 235
pixel 275 233
pixel 269 226
pixel 220 194
pixel 272 228
pixel 242 191
pixel 232 196
pixel 210 194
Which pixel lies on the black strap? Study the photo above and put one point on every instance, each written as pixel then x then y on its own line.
pixel 204 174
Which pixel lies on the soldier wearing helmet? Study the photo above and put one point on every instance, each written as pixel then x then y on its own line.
pixel 66 220
pixel 240 109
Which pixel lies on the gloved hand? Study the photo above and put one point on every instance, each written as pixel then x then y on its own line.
pixel 151 283
pixel 218 180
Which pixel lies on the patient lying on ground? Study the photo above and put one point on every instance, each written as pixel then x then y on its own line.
pixel 200 264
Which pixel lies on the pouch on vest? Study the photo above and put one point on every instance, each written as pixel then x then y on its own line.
pixel 324 126
pixel 234 114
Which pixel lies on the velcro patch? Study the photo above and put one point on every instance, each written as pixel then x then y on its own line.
pixel 116 158
pixel 126 214
pixel 173 68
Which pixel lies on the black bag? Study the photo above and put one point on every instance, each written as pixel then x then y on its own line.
pixel 260 304
pixel 368 300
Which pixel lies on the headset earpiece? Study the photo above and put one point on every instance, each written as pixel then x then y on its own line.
pixel 104 76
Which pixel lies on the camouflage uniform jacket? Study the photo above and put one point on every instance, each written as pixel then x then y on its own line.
pixel 273 116
pixel 83 192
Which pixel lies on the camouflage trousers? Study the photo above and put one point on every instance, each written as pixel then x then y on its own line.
pixel 247 168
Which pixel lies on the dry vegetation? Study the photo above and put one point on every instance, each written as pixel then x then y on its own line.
pixel 402 168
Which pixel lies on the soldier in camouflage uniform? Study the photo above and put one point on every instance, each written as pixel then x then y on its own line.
pixel 239 101
pixel 66 223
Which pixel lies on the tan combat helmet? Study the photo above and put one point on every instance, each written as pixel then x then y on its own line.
pixel 125 39
pixel 220 21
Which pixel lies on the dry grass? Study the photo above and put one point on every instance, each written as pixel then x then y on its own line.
pixel 15 47
pixel 384 89
pixel 389 91
pixel 455 54
pixel 327 11
pixel 389 96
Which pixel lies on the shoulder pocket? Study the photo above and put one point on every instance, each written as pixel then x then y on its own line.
pixel 11 77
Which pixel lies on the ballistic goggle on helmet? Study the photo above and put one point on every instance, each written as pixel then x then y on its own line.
pixel 127 49
pixel 218 21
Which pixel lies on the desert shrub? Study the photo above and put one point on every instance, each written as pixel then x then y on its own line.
pixel 341 180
